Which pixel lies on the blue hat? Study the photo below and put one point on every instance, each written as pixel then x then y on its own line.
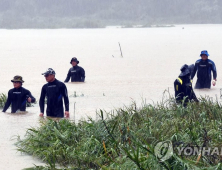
pixel 204 52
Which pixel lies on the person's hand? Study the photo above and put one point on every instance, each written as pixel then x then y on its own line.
pixel 214 82
pixel 67 114
pixel 29 100
pixel 41 114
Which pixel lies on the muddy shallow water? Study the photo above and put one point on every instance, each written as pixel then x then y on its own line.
pixel 151 61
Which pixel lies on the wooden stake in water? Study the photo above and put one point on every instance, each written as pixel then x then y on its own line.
pixel 220 93
pixel 120 50
pixel 74 111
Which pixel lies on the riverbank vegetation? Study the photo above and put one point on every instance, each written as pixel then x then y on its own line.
pixel 3 100
pixel 126 138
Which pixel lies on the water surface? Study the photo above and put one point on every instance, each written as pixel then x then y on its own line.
pixel 151 61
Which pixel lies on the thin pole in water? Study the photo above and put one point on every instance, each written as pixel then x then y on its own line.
pixel 120 50
pixel 220 93
pixel 74 111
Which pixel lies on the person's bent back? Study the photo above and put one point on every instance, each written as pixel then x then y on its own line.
pixel 183 86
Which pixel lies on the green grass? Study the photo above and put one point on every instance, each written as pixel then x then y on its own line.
pixel 126 137
pixel 3 99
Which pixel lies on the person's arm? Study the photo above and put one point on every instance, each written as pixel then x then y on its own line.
pixel 30 98
pixel 194 70
pixel 178 91
pixel 214 70
pixel 66 100
pixel 8 102
pixel 68 76
pixel 194 97
pixel 82 75
pixel 65 96
pixel 42 101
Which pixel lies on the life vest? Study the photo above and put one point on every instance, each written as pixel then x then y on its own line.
pixel 181 82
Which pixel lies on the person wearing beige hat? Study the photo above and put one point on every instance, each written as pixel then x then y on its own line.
pixel 18 96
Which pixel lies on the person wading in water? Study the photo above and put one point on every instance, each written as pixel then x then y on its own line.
pixel 76 72
pixel 55 91
pixel 203 67
pixel 183 86
pixel 18 96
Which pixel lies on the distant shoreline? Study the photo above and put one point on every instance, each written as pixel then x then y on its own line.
pixel 107 26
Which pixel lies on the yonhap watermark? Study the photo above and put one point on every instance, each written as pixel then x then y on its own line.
pixel 164 150
pixel 188 151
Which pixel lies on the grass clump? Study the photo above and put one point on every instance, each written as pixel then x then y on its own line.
pixel 3 100
pixel 127 138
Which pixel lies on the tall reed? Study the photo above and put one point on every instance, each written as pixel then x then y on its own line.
pixel 3 99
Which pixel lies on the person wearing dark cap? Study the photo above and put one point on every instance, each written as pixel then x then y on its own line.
pixel 183 86
pixel 55 91
pixel 76 72
pixel 204 67
pixel 18 96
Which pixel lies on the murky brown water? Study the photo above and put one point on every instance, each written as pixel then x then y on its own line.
pixel 151 61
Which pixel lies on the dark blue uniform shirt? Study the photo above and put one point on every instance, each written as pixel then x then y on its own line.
pixel 54 92
pixel 17 98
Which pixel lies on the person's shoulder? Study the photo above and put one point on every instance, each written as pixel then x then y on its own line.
pixel 197 61
pixel 210 61
pixel 11 90
pixel 45 85
pixel 60 82
pixel 179 80
pixel 176 81
pixel 24 89
pixel 81 68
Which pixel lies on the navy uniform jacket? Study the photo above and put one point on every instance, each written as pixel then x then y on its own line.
pixel 54 92
pixel 183 88
pixel 76 73
pixel 17 98
pixel 203 69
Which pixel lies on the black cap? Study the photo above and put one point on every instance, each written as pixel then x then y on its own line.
pixel 184 70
